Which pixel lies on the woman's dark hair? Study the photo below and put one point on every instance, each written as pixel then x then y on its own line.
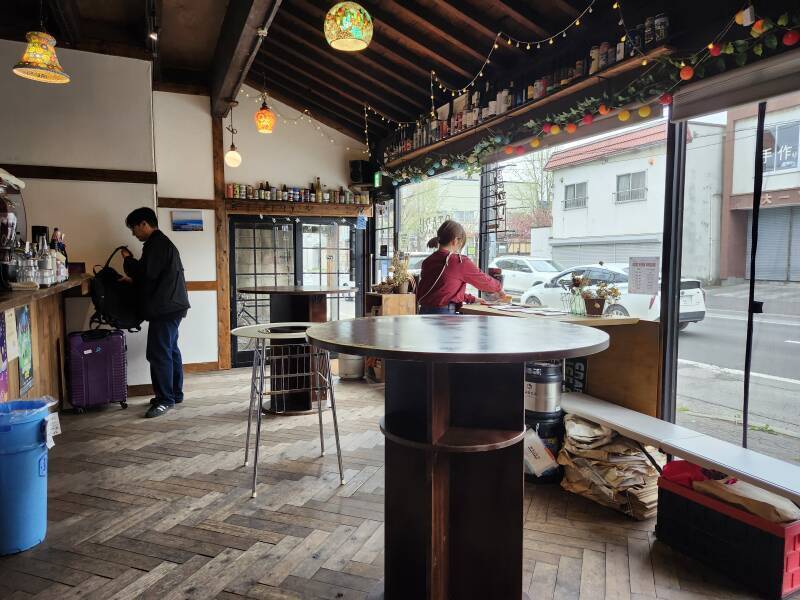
pixel 447 232
pixel 145 214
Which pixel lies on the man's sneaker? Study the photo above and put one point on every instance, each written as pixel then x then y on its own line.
pixel 154 401
pixel 157 410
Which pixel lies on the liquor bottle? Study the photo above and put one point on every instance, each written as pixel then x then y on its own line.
pixel 318 194
pixel 500 100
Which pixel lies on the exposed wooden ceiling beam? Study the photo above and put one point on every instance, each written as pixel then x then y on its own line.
pixel 334 102
pixel 317 70
pixel 68 19
pixel 459 18
pixel 507 13
pixel 396 45
pixel 425 23
pixel 236 47
pixel 402 87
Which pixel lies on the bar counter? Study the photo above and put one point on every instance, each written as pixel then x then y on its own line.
pixel 48 336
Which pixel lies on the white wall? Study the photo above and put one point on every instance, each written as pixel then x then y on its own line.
pixel 184 157
pixel 540 242
pixel 702 203
pixel 101 119
pixel 183 149
pixel 602 216
pixel 745 146
pixel 292 154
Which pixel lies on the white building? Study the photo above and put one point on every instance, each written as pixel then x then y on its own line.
pixel 609 199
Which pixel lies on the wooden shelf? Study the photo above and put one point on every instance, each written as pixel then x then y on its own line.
pixel 286 209
pixel 460 440
pixel 619 68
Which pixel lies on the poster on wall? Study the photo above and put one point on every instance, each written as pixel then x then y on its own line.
pixel 3 363
pixel 187 220
pixel 12 349
pixel 25 349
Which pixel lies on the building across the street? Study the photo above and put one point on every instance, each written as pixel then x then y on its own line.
pixel 609 198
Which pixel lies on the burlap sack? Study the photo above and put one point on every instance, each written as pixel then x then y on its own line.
pixel 750 498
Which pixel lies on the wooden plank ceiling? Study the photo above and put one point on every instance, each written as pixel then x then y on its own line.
pixel 198 49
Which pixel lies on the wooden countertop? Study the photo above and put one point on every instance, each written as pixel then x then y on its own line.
pixel 21 298
pixel 605 321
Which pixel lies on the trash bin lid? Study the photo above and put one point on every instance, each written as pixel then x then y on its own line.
pixel 24 411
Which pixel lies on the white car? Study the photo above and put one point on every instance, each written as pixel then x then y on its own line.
pixel 521 272
pixel 643 306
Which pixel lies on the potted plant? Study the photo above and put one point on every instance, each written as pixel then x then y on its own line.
pixel 595 298
pixel 399 275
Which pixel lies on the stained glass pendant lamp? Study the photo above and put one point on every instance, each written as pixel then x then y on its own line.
pixel 348 27
pixel 264 117
pixel 39 62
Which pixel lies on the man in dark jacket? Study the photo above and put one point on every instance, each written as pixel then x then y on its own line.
pixel 158 282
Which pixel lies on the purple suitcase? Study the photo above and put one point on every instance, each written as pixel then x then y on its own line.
pixel 98 368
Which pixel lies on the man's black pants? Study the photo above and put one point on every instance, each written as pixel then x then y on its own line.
pixel 166 366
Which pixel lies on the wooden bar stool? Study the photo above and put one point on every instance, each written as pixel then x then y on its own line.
pixel 295 366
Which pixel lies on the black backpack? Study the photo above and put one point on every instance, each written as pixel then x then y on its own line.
pixel 114 302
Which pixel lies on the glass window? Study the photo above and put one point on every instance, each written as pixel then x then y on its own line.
pixel 781 147
pixel 384 240
pixel 715 271
pixel 631 187
pixel 544 266
pixel 521 265
pixel 575 195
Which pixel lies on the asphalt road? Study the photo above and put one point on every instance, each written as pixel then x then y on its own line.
pixel 720 340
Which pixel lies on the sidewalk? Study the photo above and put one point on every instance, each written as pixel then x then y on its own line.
pixel 709 400
pixel 778 298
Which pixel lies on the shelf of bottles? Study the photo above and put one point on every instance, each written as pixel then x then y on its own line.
pixel 489 103
pixel 314 193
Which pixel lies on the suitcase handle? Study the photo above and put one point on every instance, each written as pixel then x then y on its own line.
pixel 96 334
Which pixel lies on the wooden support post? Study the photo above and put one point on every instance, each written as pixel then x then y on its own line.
pixel 221 241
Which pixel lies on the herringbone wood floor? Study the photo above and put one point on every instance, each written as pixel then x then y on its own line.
pixel 161 509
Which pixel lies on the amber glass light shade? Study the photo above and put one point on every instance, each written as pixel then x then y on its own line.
pixel 348 27
pixel 264 118
pixel 39 62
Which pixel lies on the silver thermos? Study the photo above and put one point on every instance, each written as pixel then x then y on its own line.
pixel 543 387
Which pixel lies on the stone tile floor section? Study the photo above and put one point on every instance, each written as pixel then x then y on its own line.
pixel 161 509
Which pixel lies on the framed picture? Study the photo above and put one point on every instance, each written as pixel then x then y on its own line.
pixel 187 220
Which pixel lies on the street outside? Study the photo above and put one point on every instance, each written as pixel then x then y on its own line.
pixel 711 362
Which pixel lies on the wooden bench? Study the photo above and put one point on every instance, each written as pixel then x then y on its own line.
pixel 771 474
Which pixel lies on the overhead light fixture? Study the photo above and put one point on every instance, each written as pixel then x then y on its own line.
pixel 232 157
pixel 264 117
pixel 348 27
pixel 39 61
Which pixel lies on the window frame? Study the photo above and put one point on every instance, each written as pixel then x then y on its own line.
pixel 576 205
pixel 618 194
pixel 773 129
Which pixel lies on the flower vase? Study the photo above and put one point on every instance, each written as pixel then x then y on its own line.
pixel 594 306
pixel 402 288
pixel 577 305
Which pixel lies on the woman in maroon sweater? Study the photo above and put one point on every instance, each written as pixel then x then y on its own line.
pixel 446 273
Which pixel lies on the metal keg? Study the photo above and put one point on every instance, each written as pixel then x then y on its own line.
pixel 543 387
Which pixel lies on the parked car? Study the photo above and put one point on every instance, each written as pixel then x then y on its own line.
pixel 644 306
pixel 521 272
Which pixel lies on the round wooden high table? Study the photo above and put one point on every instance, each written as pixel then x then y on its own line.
pixel 454 427
pixel 293 303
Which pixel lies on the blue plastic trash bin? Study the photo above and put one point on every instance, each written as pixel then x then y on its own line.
pixel 23 474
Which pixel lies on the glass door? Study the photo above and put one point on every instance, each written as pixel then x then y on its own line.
pixel 299 251
pixel 262 254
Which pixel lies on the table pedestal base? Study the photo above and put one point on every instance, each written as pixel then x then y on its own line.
pixel 377 593
pixel 454 484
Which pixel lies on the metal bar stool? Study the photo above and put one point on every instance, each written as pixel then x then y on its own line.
pixel 294 366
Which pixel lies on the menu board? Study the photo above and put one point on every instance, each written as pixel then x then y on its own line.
pixel 643 275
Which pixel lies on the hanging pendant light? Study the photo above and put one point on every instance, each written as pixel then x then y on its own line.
pixel 348 27
pixel 232 157
pixel 39 62
pixel 264 117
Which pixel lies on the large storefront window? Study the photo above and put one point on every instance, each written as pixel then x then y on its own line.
pixel 718 216
pixel 384 239
pixel 584 208
pixel 425 205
